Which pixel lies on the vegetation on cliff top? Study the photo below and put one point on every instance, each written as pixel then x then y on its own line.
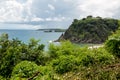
pixel 90 30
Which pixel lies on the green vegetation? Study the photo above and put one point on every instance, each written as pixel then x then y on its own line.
pixel 14 51
pixel 67 61
pixel 25 69
pixel 113 44
pixel 90 30
pixel 20 61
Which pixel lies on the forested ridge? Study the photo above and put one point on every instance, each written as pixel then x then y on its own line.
pixel 90 30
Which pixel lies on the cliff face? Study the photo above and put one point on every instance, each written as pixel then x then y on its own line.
pixel 90 30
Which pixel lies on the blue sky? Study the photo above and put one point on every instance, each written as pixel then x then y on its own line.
pixel 54 13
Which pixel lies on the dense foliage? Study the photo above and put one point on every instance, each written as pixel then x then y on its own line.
pixel 14 51
pixel 65 61
pixel 90 30
pixel 113 44
pixel 25 69
pixel 69 57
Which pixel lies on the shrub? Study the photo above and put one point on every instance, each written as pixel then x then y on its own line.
pixel 14 51
pixel 73 56
pixel 64 64
pixel 47 73
pixel 65 48
pixel 2 78
pixel 112 45
pixel 53 51
pixel 102 56
pixel 87 60
pixel 25 69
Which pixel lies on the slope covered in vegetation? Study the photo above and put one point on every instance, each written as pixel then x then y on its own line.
pixel 67 61
pixel 20 61
pixel 90 30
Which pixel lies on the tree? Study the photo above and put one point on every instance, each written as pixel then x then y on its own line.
pixel 14 51
pixel 113 44
pixel 64 64
pixel 90 16
pixel 26 69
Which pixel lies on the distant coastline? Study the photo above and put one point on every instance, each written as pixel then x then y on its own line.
pixel 52 30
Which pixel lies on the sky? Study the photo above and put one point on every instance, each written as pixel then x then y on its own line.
pixel 53 13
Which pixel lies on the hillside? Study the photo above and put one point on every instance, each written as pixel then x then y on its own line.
pixel 90 30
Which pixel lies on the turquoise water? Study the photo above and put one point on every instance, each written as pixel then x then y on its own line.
pixel 26 35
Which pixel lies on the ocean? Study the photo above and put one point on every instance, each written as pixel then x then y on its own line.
pixel 26 35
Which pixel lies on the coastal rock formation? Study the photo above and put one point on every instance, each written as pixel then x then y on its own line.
pixel 90 30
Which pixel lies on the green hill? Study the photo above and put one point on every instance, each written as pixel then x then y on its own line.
pixel 90 30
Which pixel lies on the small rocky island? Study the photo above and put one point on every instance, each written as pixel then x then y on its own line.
pixel 90 30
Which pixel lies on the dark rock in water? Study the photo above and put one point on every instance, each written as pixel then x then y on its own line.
pixel 90 30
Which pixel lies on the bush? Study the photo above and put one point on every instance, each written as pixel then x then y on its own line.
pixel 47 73
pixel 70 57
pixel 112 45
pixel 1 78
pixel 102 56
pixel 14 51
pixel 87 60
pixel 53 51
pixel 25 69
pixel 65 48
pixel 64 64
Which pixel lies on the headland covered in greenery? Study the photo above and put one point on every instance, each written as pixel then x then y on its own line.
pixel 67 61
pixel 90 30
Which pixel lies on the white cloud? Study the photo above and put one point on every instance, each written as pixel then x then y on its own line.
pixel 48 19
pixel 36 27
pixel 55 12
pixel 54 0
pixel 51 7
pixel 27 10
pixel 58 19
pixel 8 11
pixel 13 11
pixel 20 26
pixel 36 19
pixel 103 8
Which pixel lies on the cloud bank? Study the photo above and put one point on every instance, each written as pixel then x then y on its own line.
pixel 55 13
